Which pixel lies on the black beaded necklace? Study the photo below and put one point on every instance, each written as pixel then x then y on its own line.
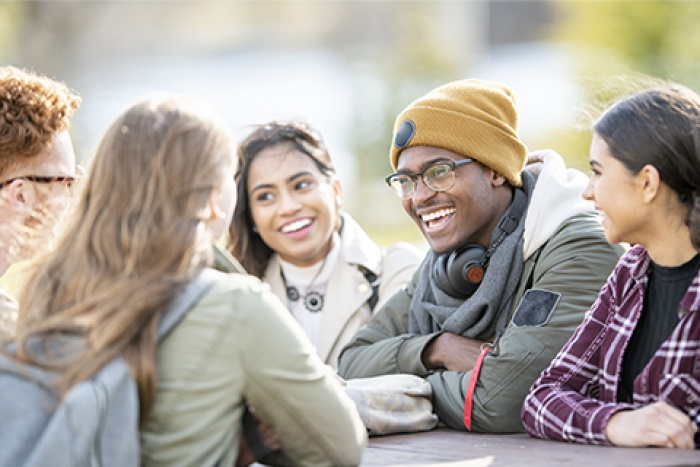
pixel 313 300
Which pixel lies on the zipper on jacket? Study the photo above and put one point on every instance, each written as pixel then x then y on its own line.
pixel 494 346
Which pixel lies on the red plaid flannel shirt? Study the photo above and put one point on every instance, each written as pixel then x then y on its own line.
pixel 575 397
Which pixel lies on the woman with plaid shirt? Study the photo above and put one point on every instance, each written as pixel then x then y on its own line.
pixel 630 375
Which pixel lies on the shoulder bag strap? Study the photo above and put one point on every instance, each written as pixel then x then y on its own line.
pixel 193 292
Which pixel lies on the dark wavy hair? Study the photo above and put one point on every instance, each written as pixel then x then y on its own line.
pixel 243 242
pixel 660 126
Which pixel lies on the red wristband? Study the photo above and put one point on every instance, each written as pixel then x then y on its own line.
pixel 469 397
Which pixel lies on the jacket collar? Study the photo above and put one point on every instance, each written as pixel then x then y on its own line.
pixel 640 262
pixel 225 262
pixel 358 248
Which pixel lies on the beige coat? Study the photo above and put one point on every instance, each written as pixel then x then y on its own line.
pixel 240 345
pixel 346 307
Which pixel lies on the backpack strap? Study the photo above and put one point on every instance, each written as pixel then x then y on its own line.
pixel 192 293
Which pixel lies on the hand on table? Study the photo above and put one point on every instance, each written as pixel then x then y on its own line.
pixel 658 424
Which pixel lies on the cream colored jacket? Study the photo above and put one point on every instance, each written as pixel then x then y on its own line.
pixel 240 345
pixel 8 315
pixel 346 307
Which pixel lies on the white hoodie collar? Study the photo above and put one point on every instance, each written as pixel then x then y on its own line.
pixel 556 198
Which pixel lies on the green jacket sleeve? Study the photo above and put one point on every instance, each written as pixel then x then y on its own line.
pixel 575 262
pixel 290 388
pixel 384 345
pixel 239 345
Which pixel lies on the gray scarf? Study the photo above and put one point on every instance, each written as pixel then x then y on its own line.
pixel 433 310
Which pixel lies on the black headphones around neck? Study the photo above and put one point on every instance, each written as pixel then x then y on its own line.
pixel 460 272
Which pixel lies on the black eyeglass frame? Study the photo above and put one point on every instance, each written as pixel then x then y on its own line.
pixel 41 179
pixel 414 177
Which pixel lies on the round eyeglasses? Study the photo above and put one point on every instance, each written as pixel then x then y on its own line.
pixel 439 176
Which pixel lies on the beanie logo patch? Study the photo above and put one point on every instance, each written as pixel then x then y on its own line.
pixel 405 134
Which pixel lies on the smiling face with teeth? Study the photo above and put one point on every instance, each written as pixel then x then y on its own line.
pixel 466 213
pixel 293 204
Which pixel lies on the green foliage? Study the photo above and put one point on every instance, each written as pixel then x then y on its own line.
pixel 10 23
pixel 621 47
pixel 405 231
pixel 412 63
pixel 572 144
pixel 658 38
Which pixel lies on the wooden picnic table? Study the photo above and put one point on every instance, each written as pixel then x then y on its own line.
pixel 445 447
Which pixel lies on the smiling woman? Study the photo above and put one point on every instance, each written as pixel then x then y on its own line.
pixel 629 375
pixel 288 229
pixel 160 191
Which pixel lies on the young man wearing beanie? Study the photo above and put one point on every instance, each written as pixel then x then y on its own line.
pixel 516 259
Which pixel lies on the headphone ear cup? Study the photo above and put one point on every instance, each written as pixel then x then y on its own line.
pixel 442 276
pixel 459 273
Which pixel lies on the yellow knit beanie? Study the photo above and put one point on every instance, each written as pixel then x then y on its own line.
pixel 471 117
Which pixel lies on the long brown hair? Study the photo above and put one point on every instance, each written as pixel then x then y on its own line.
pixel 137 236
pixel 243 242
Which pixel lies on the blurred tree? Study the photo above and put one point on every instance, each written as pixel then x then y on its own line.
pixel 427 44
pixel 10 21
pixel 624 45
pixel 659 38
pixel 414 61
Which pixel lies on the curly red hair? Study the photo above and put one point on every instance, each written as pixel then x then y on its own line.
pixel 33 110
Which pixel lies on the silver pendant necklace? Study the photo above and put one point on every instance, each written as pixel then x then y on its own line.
pixel 313 300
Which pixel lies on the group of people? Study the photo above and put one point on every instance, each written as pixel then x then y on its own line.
pixel 528 312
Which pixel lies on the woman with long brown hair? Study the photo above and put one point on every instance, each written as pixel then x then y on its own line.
pixel 289 230
pixel 160 190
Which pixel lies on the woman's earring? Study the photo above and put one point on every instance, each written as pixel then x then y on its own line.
pixel 255 229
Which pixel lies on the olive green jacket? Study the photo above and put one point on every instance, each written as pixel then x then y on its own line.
pixel 240 345
pixel 575 261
